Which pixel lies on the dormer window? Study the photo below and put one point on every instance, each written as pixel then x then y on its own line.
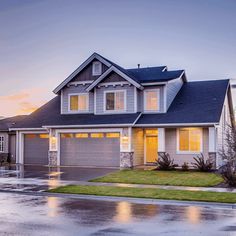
pixel 97 68
pixel 151 100
pixel 115 101
pixel 78 102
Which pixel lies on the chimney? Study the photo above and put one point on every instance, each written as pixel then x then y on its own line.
pixel 138 66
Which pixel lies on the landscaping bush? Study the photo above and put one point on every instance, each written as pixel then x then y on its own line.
pixel 164 162
pixel 185 166
pixel 202 165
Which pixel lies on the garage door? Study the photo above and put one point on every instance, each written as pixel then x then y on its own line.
pixel 90 149
pixel 36 148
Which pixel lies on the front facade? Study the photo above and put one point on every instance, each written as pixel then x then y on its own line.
pixel 108 116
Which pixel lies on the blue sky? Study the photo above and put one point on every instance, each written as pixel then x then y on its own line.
pixel 42 42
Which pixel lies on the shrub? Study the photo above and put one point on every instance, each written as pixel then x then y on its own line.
pixel 185 166
pixel 164 162
pixel 229 175
pixel 201 164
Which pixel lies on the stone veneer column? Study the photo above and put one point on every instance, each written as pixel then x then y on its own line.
pixel 212 158
pixel 126 160
pixel 52 158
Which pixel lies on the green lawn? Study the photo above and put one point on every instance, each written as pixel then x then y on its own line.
pixel 148 193
pixel 175 178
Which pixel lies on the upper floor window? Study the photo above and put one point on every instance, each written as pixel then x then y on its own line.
pixel 1 143
pixel 151 100
pixel 190 140
pixel 115 100
pixel 97 68
pixel 78 102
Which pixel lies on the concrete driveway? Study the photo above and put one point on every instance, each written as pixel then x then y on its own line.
pixel 46 215
pixel 39 178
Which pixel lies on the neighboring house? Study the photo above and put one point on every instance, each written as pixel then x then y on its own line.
pixel 8 138
pixel 105 115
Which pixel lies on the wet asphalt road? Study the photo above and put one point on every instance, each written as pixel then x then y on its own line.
pixel 40 215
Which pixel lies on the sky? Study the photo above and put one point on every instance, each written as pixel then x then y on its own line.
pixel 43 41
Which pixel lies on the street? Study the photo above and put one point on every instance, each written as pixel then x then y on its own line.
pixel 42 215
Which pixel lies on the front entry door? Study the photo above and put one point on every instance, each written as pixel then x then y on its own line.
pixel 151 149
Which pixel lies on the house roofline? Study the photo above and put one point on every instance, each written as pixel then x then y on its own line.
pixel 80 68
pixel 177 124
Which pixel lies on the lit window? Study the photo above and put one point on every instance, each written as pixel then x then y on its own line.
pixel 43 136
pixel 115 101
pixel 79 102
pixel 151 99
pixel 30 136
pixel 81 135
pixel 67 135
pixel 97 68
pixel 112 135
pixel 97 135
pixel 1 143
pixel 190 139
pixel 151 132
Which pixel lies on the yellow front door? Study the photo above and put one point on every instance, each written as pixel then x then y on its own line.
pixel 151 149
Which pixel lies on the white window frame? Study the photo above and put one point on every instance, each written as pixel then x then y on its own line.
pixel 104 101
pixel 189 152
pixel 78 111
pixel 2 143
pixel 95 73
pixel 158 100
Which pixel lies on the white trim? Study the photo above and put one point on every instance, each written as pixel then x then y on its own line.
pixel 95 101
pixel 62 102
pixel 212 139
pixel 161 140
pixel 95 73
pixel 26 129
pixel 153 83
pixel 176 125
pixel 189 152
pixel 78 111
pixel 135 100
pixel 84 82
pixel 121 83
pixel 80 68
pixel 113 68
pixel 158 100
pixel 137 118
pixel 87 126
pixel 114 111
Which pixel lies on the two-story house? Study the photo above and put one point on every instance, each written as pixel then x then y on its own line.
pixel 108 116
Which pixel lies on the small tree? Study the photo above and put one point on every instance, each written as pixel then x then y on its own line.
pixel 228 154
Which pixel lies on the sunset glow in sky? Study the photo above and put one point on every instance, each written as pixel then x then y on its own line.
pixel 42 42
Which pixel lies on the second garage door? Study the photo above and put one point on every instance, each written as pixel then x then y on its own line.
pixel 36 148
pixel 90 149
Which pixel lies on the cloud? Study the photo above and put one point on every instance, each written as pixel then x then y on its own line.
pixel 22 102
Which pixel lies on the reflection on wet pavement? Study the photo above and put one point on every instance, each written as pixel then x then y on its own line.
pixel 34 215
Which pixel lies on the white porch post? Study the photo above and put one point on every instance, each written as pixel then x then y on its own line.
pixel 212 149
pixel 161 140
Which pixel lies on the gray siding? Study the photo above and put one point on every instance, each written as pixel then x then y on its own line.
pixel 75 89
pixel 138 146
pixel 172 88
pixel 86 73
pixel 171 146
pixel 130 108
pixel 6 141
pixel 141 98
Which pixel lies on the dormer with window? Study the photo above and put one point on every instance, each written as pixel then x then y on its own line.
pixel 97 68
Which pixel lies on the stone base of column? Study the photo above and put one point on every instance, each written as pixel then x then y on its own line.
pixel 126 160
pixel 52 158
pixel 212 158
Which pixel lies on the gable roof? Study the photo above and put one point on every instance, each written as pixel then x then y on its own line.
pixel 7 123
pixel 196 102
pixel 134 76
